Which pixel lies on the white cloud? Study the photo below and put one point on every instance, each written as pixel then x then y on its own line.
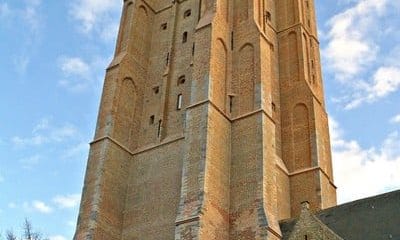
pixel 351 47
pixel 37 206
pixel 4 10
pixel 361 172
pixel 79 74
pixel 12 205
pixel 354 54
pixel 44 132
pixel 77 150
pixel 67 201
pixel 99 16
pixel 395 119
pixel 74 66
pixel 31 15
pixel 57 237
pixel 385 81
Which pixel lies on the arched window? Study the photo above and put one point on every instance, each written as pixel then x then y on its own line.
pixel 181 80
pixel 187 13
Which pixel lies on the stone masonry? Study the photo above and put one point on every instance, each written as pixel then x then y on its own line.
pixel 212 123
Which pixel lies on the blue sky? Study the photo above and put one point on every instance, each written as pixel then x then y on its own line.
pixel 53 55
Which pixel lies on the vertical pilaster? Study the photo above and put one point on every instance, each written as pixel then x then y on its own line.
pixel 204 202
pixel 305 136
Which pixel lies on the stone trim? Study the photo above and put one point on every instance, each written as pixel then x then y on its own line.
pixel 113 141
pixel 313 169
pixel 145 149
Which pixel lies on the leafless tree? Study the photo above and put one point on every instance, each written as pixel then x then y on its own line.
pixel 10 235
pixel 28 233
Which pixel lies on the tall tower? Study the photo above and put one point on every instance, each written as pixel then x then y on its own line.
pixel 212 123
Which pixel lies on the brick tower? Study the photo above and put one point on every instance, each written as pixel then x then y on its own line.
pixel 212 123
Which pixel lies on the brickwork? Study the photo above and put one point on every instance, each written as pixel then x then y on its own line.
pixel 212 123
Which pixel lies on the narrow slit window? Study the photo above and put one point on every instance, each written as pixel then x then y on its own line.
pixel 184 37
pixel 159 129
pixel 230 103
pixel 167 60
pixel 181 80
pixel 273 107
pixel 267 16
pixel 232 41
pixel 151 120
pixel 193 48
pixel 179 102
pixel 187 13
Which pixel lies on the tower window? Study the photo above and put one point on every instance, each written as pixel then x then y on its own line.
pixel 184 37
pixel 179 102
pixel 187 13
pixel 193 48
pixel 273 106
pixel 167 60
pixel 159 129
pixel 305 237
pixel 151 120
pixel 164 26
pixel 230 103
pixel 268 16
pixel 156 90
pixel 181 80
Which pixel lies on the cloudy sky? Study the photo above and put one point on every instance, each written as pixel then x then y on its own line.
pixel 53 55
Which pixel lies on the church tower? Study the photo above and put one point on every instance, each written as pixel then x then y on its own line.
pixel 212 123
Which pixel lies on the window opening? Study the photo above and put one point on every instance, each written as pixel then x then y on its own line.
pixel 156 90
pixel 267 16
pixel 193 48
pixel 187 13
pixel 273 106
pixel 181 80
pixel 167 60
pixel 159 128
pixel 179 102
pixel 184 37
pixel 230 103
pixel 164 26
pixel 151 119
pixel 232 41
